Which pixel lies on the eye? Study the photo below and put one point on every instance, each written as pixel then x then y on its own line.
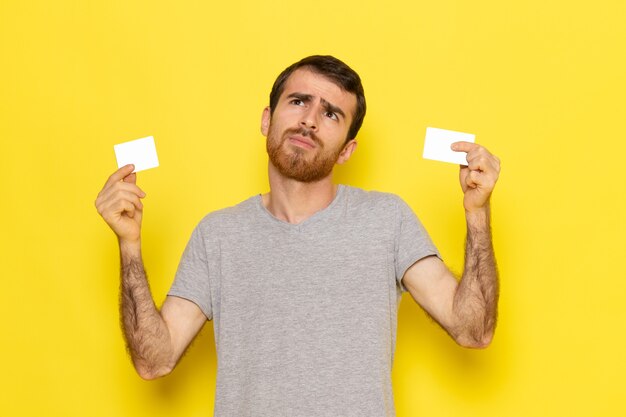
pixel 331 115
pixel 297 102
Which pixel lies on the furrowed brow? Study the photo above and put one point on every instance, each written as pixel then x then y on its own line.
pixel 327 106
pixel 301 96
pixel 332 108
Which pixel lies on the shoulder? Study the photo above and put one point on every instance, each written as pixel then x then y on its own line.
pixel 376 205
pixel 230 217
pixel 360 198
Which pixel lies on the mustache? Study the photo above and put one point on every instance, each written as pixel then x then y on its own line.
pixel 304 132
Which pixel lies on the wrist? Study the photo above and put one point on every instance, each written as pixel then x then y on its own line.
pixel 130 248
pixel 478 218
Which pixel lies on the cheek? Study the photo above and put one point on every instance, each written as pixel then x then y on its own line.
pixel 288 112
pixel 282 121
pixel 337 130
pixel 327 122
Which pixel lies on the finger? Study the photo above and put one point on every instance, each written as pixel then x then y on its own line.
pixel 479 150
pixel 132 197
pixel 119 175
pixel 482 160
pixel 474 150
pixel 127 207
pixel 113 210
pixel 117 201
pixel 128 196
pixel 483 180
pixel 132 188
pixel 473 179
pixel 131 178
pixel 480 163
pixel 464 146
pixel 108 192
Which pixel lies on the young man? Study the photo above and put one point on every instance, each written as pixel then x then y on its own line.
pixel 303 283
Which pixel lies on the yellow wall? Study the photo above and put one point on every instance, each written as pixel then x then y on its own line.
pixel 541 83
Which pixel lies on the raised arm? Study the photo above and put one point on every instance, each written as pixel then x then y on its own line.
pixel 155 339
pixel 466 309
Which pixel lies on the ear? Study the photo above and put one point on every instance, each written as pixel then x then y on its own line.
pixel 346 153
pixel 265 121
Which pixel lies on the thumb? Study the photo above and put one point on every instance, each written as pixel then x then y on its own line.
pixel 131 178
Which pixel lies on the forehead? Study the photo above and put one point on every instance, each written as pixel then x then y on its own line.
pixel 309 82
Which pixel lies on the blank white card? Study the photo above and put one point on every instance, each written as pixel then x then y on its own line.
pixel 141 152
pixel 437 145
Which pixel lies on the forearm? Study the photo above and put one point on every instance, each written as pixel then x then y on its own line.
pixel 476 299
pixel 147 336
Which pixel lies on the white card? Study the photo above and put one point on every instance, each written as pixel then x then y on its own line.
pixel 437 145
pixel 140 152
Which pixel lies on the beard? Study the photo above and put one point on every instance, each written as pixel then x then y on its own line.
pixel 294 163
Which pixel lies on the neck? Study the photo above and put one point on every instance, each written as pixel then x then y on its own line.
pixel 293 201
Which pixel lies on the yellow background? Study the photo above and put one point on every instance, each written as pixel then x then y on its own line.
pixel 541 83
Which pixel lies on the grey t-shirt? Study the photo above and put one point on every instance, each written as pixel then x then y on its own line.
pixel 304 314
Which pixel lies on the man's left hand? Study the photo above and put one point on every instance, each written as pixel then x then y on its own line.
pixel 480 176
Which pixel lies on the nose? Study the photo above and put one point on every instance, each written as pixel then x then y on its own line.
pixel 309 118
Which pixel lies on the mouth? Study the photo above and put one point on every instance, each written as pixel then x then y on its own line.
pixel 301 141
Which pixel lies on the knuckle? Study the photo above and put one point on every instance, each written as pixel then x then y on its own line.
pixel 119 194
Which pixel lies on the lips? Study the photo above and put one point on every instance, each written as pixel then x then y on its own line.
pixel 302 141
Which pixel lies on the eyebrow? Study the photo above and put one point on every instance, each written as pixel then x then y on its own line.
pixel 327 105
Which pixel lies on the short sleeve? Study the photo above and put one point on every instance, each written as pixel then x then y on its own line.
pixel 412 242
pixel 192 277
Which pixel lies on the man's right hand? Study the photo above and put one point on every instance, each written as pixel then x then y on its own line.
pixel 120 206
